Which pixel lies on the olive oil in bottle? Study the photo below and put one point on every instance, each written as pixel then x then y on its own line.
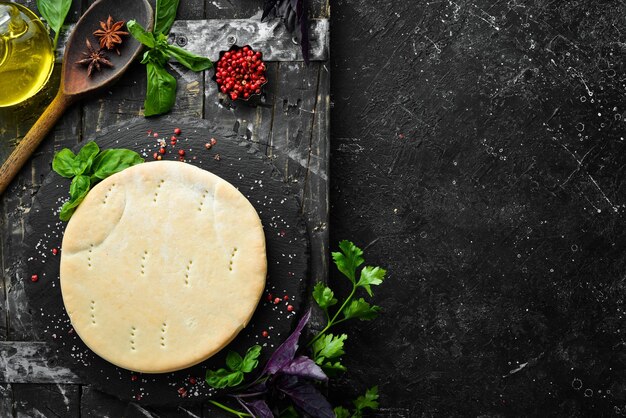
pixel 26 55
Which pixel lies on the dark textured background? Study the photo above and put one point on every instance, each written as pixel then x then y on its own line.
pixel 478 154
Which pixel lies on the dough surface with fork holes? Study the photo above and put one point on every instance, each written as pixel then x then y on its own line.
pixel 162 265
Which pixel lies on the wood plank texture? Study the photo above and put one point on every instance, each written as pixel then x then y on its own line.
pixel 316 199
pixel 6 400
pixel 31 362
pixel 95 404
pixel 208 37
pixel 44 401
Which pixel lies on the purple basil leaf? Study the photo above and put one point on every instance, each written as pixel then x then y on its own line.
pixel 304 367
pixel 287 350
pixel 259 408
pixel 303 17
pixel 306 397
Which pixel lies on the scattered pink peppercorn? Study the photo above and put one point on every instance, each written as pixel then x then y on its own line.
pixel 192 380
pixel 177 131
pixel 181 152
pixel 208 145
pixel 289 308
pixel 155 155
pixel 213 141
pixel 161 150
pixel 156 135
pixel 286 297
pixel 182 392
pixel 55 251
pixel 265 334
pixel 34 278
pixel 276 301
pixel 134 378
pixel 149 131
pixel 173 138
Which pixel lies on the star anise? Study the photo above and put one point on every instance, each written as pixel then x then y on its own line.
pixel 111 34
pixel 94 59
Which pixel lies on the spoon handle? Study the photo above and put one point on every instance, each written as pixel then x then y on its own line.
pixel 25 148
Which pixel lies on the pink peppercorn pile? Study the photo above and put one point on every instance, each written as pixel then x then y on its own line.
pixel 240 73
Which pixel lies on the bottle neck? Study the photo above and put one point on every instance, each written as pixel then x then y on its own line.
pixel 12 24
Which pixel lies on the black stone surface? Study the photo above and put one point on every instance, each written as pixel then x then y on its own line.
pixel 478 154
pixel 287 253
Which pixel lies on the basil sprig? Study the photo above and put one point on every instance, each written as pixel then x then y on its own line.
pixel 161 89
pixel 87 168
pixel 54 12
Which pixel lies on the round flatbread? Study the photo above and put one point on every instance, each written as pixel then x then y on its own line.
pixel 162 265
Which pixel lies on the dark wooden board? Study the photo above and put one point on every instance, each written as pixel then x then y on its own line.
pixel 240 164
pixel 45 400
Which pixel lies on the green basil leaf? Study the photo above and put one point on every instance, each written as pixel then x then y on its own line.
pixel 155 56
pixel 165 15
pixel 111 161
pixel 85 156
pixel 80 184
pixel 250 361
pixel 192 61
pixel 54 12
pixel 161 92
pixel 223 378
pixel 63 163
pixel 140 33
pixel 233 361
pixel 78 190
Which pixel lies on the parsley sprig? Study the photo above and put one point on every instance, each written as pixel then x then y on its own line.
pixel 288 384
pixel 328 346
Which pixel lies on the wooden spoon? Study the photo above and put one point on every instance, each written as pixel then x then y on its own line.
pixel 75 83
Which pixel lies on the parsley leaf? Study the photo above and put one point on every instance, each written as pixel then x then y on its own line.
pixel 341 412
pixel 333 369
pixel 324 296
pixel 348 259
pixel 360 309
pixel 369 400
pixel 327 347
pixel 371 276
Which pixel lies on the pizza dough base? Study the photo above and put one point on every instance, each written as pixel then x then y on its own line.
pixel 162 265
